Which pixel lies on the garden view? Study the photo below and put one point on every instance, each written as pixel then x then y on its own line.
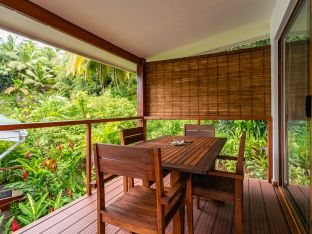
pixel 42 83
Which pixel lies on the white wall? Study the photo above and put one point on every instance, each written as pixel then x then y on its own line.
pixel 280 16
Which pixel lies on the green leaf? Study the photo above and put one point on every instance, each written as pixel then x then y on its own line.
pixel 7 226
pixel 42 211
pixel 39 204
pixel 58 201
pixel 32 204
pixel 24 219
pixel 1 219
pixel 25 210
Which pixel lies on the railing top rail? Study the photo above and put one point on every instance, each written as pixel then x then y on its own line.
pixel 63 123
pixel 193 117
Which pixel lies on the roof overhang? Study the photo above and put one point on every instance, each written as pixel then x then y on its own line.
pixel 154 30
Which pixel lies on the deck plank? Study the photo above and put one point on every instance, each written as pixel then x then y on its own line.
pixel 224 219
pixel 262 213
pixel 246 201
pixel 274 210
pixel 258 219
pixel 207 218
pixel 58 217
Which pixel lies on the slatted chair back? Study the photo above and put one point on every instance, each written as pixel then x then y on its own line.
pixel 141 163
pixel 132 135
pixel 241 152
pixel 199 130
pixel 127 161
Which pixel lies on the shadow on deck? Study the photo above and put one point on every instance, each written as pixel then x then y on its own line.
pixel 262 213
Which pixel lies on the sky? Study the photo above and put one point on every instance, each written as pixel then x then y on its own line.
pixel 4 35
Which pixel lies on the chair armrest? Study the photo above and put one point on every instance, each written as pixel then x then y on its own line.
pixel 227 157
pixel 106 178
pixel 226 174
pixel 173 191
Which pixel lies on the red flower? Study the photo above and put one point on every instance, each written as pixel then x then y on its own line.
pixel 25 175
pixel 59 147
pixel 15 225
pixel 51 209
pixel 27 155
pixel 71 145
pixel 70 193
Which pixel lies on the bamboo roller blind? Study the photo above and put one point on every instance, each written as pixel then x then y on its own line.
pixel 232 84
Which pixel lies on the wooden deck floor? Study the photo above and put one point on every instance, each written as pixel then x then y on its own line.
pixel 262 213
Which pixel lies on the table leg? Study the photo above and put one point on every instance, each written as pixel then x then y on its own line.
pixel 178 226
pixel 189 204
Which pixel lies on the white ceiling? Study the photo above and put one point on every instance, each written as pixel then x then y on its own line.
pixel 153 29
pixel 159 29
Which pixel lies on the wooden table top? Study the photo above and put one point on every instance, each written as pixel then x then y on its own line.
pixel 196 156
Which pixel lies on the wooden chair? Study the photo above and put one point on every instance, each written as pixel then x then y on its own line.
pixel 130 136
pixel 141 209
pixel 225 186
pixel 199 130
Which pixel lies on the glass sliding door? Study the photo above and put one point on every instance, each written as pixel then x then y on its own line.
pixel 296 111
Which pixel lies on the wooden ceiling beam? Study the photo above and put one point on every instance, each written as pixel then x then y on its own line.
pixel 48 18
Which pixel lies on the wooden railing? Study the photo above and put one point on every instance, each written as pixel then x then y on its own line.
pixel 141 119
pixel 88 124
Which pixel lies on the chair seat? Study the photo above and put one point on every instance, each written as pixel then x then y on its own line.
pixel 136 207
pixel 209 186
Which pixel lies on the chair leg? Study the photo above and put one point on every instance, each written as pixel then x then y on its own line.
pixel 189 205
pixel 101 225
pixel 238 207
pixel 130 182
pixel 182 218
pixel 125 184
pixel 198 202
pixel 238 217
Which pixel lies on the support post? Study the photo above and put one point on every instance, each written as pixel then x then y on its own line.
pixel 270 138
pixel 141 94
pixel 88 158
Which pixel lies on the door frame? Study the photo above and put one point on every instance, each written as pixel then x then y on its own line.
pixel 283 162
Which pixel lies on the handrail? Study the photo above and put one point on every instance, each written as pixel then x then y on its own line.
pixel 211 117
pixel 87 122
pixel 5 127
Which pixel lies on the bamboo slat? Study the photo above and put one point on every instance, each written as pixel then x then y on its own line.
pixel 223 84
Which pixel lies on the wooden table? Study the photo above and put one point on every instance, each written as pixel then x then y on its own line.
pixel 196 156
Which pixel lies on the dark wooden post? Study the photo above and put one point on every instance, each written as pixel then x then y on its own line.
pixel 141 94
pixel 88 156
pixel 141 101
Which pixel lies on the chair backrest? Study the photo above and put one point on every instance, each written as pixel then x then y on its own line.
pixel 132 135
pixel 127 161
pixel 142 163
pixel 199 130
pixel 240 157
